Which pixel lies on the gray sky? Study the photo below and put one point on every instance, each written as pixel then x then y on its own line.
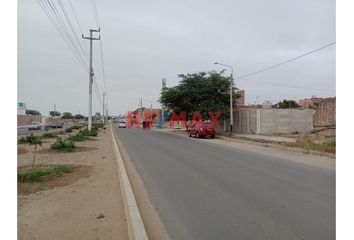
pixel 145 41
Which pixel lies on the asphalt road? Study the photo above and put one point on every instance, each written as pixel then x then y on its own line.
pixel 24 131
pixel 205 191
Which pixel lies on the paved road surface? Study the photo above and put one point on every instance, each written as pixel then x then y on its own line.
pixel 207 191
pixel 24 131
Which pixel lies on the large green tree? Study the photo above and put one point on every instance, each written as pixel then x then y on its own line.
pixel 32 112
pixel 203 92
pixel 287 104
pixel 54 113
pixel 79 116
pixel 67 115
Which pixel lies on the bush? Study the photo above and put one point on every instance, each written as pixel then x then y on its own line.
pixel 77 137
pixel 49 135
pixel 64 145
pixel 92 133
pixel 21 140
pixel 37 174
pixel 98 125
pixel 83 135
pixel 76 126
pixel 31 139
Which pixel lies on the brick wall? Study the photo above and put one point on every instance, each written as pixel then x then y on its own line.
pixel 24 120
pixel 325 115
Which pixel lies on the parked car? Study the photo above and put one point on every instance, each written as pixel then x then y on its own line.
pixel 35 126
pixel 122 125
pixel 201 129
pixel 57 125
pixel 68 130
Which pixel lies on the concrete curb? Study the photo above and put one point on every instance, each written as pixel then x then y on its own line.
pixel 136 229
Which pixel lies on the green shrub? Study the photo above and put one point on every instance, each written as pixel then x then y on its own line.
pixel 86 132
pixel 98 125
pixel 76 126
pixel 21 140
pixel 31 139
pixel 49 135
pixel 83 135
pixel 37 174
pixel 64 145
pixel 77 137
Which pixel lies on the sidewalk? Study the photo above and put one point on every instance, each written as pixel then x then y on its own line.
pixel 84 204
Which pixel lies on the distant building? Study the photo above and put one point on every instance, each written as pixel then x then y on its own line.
pixel 310 102
pixel 240 101
pixel 21 108
pixel 267 104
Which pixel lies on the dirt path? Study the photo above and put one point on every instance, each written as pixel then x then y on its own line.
pixel 85 204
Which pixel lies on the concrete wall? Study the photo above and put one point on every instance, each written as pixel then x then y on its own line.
pixel 325 115
pixel 272 121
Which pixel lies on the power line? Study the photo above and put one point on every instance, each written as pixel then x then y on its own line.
pixel 285 85
pixel 77 20
pixel 64 27
pixel 72 28
pixel 102 64
pixel 95 15
pixel 46 9
pixel 95 12
pixel 98 95
pixel 287 61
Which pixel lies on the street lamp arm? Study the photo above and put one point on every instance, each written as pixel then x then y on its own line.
pixel 232 69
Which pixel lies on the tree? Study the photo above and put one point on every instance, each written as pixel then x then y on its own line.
pixel 54 113
pixel 32 112
pixel 287 104
pixel 79 116
pixel 202 92
pixel 34 140
pixel 67 115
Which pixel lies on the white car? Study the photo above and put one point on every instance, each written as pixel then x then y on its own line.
pixel 35 126
pixel 122 125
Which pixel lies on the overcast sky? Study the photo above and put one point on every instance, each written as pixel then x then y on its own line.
pixel 145 41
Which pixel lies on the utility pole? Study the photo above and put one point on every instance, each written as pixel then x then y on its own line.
pixel 150 115
pixel 90 76
pixel 231 92
pixel 54 110
pixel 231 101
pixel 141 108
pixel 103 113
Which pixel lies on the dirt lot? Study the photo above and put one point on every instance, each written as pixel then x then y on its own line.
pixel 83 204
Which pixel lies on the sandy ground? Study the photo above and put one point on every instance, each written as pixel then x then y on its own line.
pixel 84 204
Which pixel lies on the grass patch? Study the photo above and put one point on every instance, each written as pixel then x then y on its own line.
pixel 76 126
pixel 37 174
pixel 98 125
pixel 31 139
pixel 92 133
pixel 308 144
pixel 65 145
pixel 83 135
pixel 77 138
pixel 49 135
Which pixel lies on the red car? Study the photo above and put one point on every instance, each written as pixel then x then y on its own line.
pixel 201 129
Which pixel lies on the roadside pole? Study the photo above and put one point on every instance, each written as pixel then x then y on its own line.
pixel 90 76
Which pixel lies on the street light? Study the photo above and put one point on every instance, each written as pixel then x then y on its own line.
pixel 231 89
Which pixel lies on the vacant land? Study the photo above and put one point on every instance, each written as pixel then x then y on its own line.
pixel 81 203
